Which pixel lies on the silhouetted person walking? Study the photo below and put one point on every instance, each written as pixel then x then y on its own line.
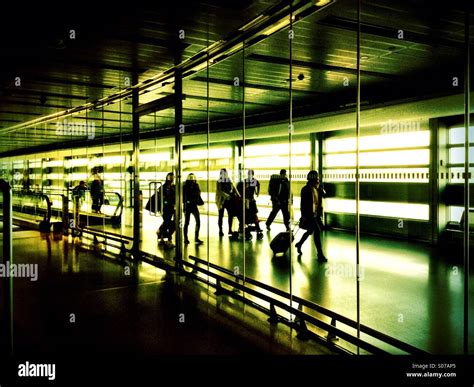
pixel 311 213
pixel 279 191
pixel 192 199
pixel 167 228
pixel 251 192
pixel 225 195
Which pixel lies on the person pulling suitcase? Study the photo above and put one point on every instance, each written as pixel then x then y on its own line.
pixel 311 213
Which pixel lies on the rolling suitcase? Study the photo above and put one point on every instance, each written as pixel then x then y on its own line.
pixel 281 243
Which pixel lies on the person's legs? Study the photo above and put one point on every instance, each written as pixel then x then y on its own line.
pixel 273 213
pixel 317 241
pixel 318 244
pixel 230 214
pixel 254 215
pixel 197 218
pixel 286 215
pixel 219 221
pixel 302 240
pixel 100 202
pixel 167 219
pixel 187 217
pixel 164 230
pixel 95 201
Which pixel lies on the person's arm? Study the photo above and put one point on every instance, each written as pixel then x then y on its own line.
pixel 235 190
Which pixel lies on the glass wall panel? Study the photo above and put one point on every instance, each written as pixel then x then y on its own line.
pixel 410 284
pixel 468 344
pixel 323 80
pixel 266 151
pixel 156 163
pixel 220 162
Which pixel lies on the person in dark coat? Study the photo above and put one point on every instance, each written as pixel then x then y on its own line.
pixel 97 192
pixel 167 228
pixel 279 191
pixel 252 190
pixel 311 213
pixel 191 200
pixel 225 197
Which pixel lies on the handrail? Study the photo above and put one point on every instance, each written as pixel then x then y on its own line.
pixel 318 308
pixel 118 209
pixel 106 233
pixel 40 195
pixel 297 312
pixel 7 283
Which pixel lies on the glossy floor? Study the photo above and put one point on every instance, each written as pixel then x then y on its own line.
pixel 82 303
pixel 408 290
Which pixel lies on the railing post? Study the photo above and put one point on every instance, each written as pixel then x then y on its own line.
pixel 273 319
pixel 6 335
pixel 331 336
pixel 219 289
pixel 303 333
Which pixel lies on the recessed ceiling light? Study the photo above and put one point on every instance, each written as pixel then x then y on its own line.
pixel 364 57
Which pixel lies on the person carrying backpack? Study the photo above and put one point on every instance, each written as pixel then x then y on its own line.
pixel 279 190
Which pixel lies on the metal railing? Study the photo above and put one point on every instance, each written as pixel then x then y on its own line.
pixel 32 207
pixel 302 318
pixel 115 217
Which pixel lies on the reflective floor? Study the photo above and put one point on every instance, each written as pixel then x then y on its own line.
pixel 82 303
pixel 408 290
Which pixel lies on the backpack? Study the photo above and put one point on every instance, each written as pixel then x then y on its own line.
pixel 273 185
